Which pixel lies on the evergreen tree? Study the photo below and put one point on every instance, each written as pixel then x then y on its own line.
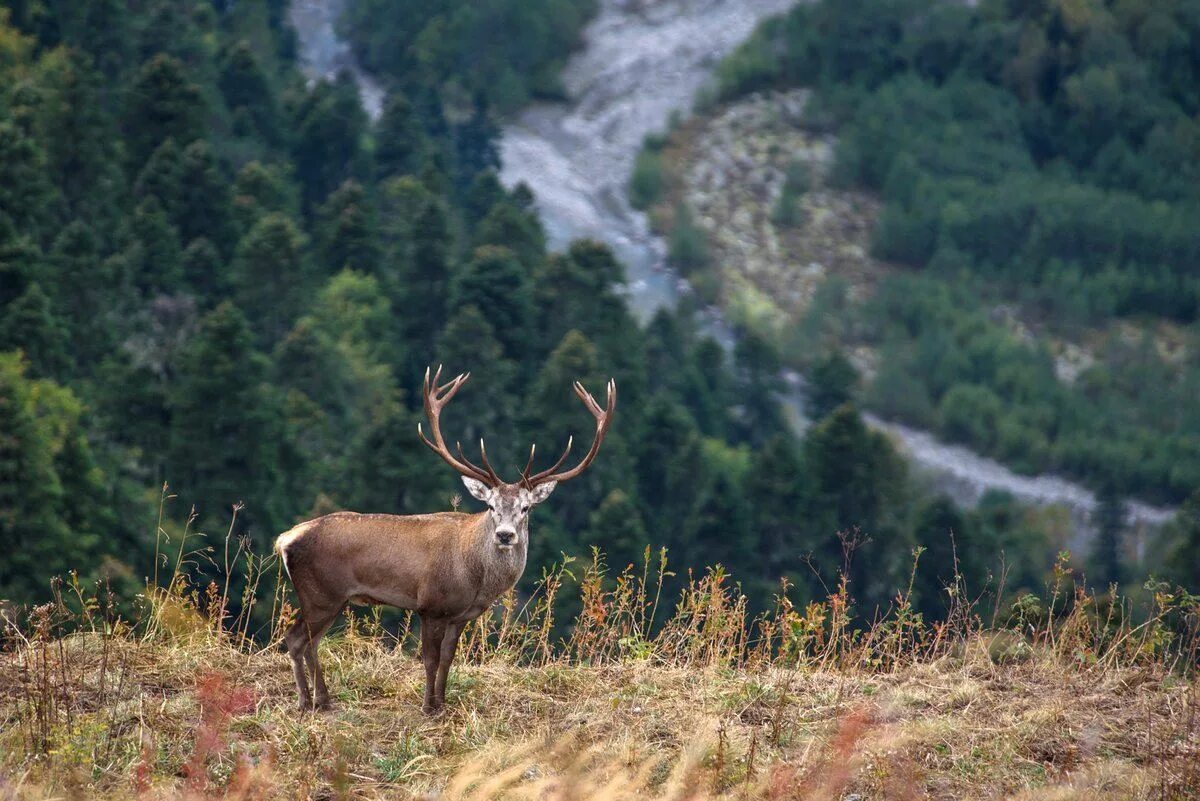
pixel 759 388
pixel 329 126
pixel 554 415
pixel 204 269
pixel 29 324
pixel 37 421
pixel 507 226
pixel 259 190
pixel 831 384
pixel 856 491
pixel 223 438
pixel 80 136
pixel 1183 562
pixel 488 409
pixel 1108 554
pixel 717 530
pixel 269 275
pixel 162 178
pixel 162 103
pixel 425 285
pixel 475 144
pixel 25 194
pixel 247 92
pixel 616 528
pixel 399 138
pixel 155 255
pixel 204 203
pixel 494 280
pixel 346 231
pixel 775 497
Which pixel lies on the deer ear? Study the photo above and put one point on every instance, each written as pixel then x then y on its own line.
pixel 479 491
pixel 542 491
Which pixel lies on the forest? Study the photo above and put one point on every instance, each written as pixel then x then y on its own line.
pixel 218 279
pixel 1037 161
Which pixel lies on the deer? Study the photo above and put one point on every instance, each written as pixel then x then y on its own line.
pixel 447 567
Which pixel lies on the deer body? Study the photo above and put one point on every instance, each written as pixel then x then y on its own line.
pixel 447 567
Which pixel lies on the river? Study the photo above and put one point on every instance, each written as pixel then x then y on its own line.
pixel 642 62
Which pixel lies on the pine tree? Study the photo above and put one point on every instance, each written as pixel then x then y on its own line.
pixel 162 103
pixel 425 285
pixel 775 496
pixel 155 255
pixel 80 135
pixel 37 418
pixel 488 407
pixel 759 388
pixel 400 141
pixel 616 528
pixel 1108 554
pixel 247 92
pixel 346 231
pixel 204 202
pixel 494 280
pixel 831 383
pixel 329 126
pixel 25 194
pixel 30 325
pixel 1183 563
pixel 269 275
pixel 162 178
pixel 223 438
pixel 554 414
pixel 204 269
pixel 717 530
pixel 507 226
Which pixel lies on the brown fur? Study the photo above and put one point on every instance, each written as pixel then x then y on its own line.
pixel 446 567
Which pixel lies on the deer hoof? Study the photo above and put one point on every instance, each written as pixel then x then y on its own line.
pixel 323 705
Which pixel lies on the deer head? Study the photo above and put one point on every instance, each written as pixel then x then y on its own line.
pixel 509 504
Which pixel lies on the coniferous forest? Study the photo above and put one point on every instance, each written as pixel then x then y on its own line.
pixel 218 278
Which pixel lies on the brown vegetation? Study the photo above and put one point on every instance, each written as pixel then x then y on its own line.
pixel 1067 699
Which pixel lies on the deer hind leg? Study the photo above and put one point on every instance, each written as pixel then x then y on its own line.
pixel 301 640
pixel 448 648
pixel 432 632
pixel 297 641
pixel 316 631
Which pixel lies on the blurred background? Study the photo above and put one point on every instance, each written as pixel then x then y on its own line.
pixel 873 276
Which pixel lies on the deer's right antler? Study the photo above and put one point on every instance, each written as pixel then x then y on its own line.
pixel 436 397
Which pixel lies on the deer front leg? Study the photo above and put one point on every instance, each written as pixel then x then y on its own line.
pixel 448 648
pixel 432 631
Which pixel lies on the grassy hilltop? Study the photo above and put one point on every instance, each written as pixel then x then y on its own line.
pixel 1067 699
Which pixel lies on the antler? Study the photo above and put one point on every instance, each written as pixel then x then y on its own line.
pixel 435 399
pixel 603 418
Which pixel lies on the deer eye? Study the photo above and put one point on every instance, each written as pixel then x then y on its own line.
pixel 525 508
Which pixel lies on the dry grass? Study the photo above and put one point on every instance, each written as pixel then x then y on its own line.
pixel 1065 702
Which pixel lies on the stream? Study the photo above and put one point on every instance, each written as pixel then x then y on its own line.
pixel 642 62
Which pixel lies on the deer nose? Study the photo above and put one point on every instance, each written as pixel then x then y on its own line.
pixel 506 537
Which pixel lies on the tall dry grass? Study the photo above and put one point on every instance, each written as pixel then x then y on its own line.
pixel 1069 694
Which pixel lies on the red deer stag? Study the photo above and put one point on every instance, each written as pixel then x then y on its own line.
pixel 448 567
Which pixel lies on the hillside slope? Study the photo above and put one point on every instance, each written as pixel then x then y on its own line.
pixel 1076 704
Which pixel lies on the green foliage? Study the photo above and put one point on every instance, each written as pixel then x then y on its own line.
pixel 507 51
pixel 687 246
pixel 233 283
pixel 646 183
pixel 1039 156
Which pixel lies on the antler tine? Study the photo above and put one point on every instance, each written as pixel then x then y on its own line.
pixel 529 464
pixel 538 478
pixel 435 398
pixel 603 419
